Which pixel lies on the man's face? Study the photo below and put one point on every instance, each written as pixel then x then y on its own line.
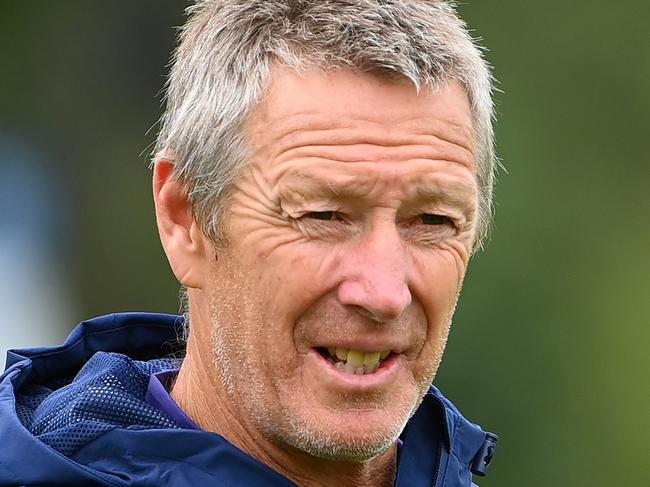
pixel 348 237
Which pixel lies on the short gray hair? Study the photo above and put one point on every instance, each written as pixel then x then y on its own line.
pixel 222 66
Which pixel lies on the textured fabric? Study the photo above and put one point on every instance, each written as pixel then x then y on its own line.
pixel 106 393
pixel 77 415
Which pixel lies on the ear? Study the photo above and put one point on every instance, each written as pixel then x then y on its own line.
pixel 180 235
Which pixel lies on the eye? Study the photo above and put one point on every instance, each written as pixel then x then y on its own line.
pixel 432 219
pixel 321 215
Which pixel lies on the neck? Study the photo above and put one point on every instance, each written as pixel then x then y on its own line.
pixel 200 393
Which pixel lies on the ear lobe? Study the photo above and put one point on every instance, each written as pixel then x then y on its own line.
pixel 179 233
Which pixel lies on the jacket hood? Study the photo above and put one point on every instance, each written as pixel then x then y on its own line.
pixel 76 415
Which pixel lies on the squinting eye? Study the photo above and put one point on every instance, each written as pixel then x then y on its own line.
pixel 429 219
pixel 320 215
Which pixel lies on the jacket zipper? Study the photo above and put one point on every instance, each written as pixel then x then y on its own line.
pixel 436 472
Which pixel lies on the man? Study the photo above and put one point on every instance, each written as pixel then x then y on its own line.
pixel 322 177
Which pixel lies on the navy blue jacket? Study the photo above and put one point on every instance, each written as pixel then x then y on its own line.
pixel 76 415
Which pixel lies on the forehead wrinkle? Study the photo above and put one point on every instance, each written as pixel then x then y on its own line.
pixel 372 153
pixel 279 138
pixel 457 193
pixel 424 185
pixel 333 185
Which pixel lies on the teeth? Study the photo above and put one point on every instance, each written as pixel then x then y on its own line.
pixel 342 354
pixel 371 358
pixel 356 362
pixel 355 358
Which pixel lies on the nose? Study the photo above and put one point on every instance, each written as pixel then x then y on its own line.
pixel 375 275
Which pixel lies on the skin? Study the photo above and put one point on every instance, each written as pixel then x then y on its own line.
pixel 351 226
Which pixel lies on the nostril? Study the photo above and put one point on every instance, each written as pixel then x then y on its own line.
pixel 379 314
pixel 376 300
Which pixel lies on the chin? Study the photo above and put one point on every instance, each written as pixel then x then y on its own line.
pixel 353 436
pixel 346 448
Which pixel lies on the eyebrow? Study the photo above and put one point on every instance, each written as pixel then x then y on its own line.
pixel 437 187
pixel 457 194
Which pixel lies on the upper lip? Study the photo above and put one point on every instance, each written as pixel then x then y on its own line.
pixel 364 346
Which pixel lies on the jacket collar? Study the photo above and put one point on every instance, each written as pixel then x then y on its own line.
pixel 439 443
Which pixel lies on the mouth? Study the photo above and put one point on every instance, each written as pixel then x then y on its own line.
pixel 355 362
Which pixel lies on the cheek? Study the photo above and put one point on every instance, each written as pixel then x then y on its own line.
pixel 292 276
pixel 436 286
pixel 437 280
pixel 271 295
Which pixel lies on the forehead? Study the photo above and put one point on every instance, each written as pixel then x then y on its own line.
pixel 356 87
pixel 345 123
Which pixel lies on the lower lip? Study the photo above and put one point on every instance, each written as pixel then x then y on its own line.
pixel 385 372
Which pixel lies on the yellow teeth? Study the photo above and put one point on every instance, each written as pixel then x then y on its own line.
pixel 371 358
pixel 355 358
pixel 356 361
pixel 341 354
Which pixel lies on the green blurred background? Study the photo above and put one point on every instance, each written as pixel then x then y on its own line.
pixel 550 344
